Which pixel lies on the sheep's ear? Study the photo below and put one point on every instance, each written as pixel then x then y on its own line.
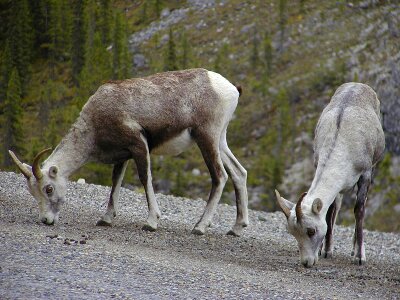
pixel 317 206
pixel 284 204
pixel 53 171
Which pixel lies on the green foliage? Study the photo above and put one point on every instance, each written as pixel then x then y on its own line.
pixel 5 72
pixel 121 62
pixel 60 25
pixel 221 64
pixel 12 131
pixel 105 22
pixel 282 22
pixel 97 69
pixel 186 54
pixel 21 36
pixel 170 61
pixel 254 59
pixel 268 55
pixel 78 39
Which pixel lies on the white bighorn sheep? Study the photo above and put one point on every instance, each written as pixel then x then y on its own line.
pixel 161 114
pixel 349 141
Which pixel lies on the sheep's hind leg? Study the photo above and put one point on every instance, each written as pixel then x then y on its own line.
pixel 238 175
pixel 117 176
pixel 209 147
pixel 141 155
pixel 359 209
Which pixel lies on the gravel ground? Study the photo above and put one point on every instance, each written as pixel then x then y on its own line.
pixel 77 260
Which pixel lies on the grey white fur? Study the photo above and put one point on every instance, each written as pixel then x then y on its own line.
pixel 349 141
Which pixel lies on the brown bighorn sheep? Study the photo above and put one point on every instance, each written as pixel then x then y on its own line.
pixel 161 114
pixel 349 141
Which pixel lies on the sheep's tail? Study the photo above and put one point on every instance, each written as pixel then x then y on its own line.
pixel 239 88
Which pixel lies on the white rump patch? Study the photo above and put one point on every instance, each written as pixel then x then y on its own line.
pixel 227 92
pixel 176 145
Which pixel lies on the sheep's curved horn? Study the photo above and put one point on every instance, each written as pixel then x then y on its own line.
pixel 24 170
pixel 35 166
pixel 299 212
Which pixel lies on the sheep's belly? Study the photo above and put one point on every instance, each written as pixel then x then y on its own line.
pixel 176 145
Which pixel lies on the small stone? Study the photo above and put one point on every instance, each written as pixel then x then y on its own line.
pixel 261 218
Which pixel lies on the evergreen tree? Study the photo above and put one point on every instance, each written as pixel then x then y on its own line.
pixel 302 9
pixel 21 36
pixel 60 28
pixel 105 22
pixel 254 55
pixel 143 15
pixel 40 11
pixel 185 59
pixel 97 68
pixel 5 72
pixel 78 39
pixel 121 56
pixel 13 137
pixel 91 20
pixel 268 54
pixel 170 61
pixel 157 8
pixel 282 22
pixel 221 62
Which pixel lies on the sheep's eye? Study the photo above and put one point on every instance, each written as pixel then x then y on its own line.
pixel 49 189
pixel 310 232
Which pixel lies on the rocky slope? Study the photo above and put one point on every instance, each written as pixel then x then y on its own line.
pixel 77 260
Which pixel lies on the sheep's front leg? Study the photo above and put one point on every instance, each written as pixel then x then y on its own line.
pixel 331 215
pixel 210 150
pixel 117 176
pixel 141 156
pixel 359 210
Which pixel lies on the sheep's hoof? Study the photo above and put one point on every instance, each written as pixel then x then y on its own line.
pixel 359 261
pixel 197 231
pixel 233 233
pixel 148 227
pixel 326 254
pixel 101 222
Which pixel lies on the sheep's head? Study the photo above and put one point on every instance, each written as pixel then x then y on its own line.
pixel 45 185
pixel 307 225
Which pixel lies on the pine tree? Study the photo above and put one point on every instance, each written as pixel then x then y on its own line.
pixel 185 58
pixel 170 61
pixel 97 68
pixel 157 8
pixel 60 29
pixel 121 56
pixel 221 61
pixel 21 34
pixel 143 15
pixel 12 118
pixel 5 72
pixel 282 22
pixel 268 54
pixel 254 55
pixel 78 39
pixel 105 22
pixel 40 11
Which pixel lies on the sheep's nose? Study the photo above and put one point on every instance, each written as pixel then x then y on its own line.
pixel 47 222
pixel 307 263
